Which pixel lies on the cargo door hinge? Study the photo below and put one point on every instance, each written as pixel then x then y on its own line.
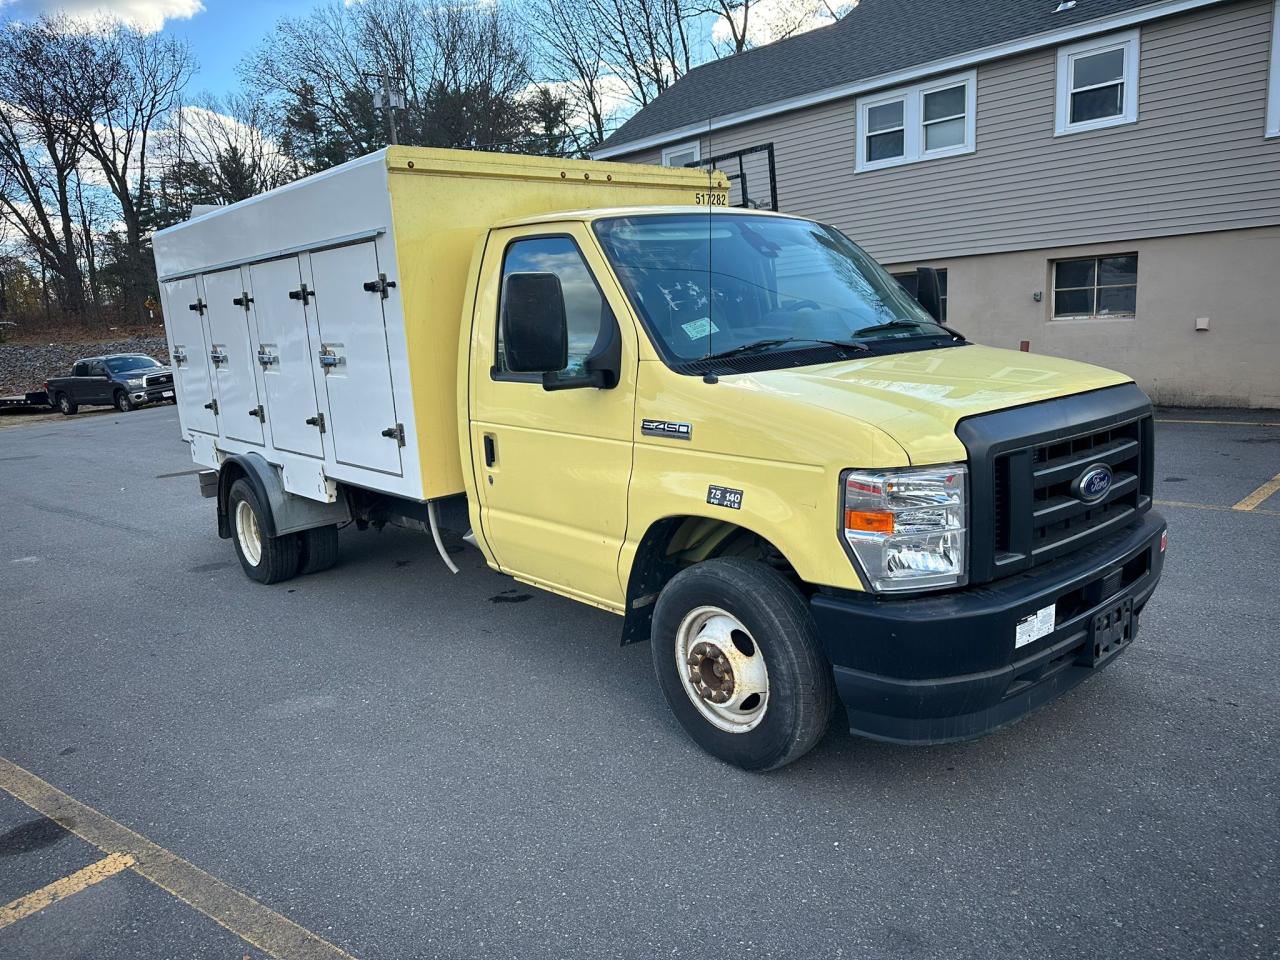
pixel 380 286
pixel 212 405
pixel 316 421
pixel 395 433
pixel 302 293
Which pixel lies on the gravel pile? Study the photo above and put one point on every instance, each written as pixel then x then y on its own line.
pixel 26 366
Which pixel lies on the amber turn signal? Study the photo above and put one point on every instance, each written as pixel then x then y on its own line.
pixel 869 521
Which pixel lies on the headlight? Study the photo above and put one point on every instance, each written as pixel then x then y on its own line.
pixel 907 527
pixel 137 382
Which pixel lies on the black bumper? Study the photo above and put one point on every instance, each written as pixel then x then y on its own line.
pixel 942 668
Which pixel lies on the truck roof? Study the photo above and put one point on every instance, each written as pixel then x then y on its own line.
pixel 602 213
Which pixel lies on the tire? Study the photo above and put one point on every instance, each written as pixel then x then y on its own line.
pixel 318 549
pixel 795 709
pixel 263 558
pixel 122 402
pixel 66 405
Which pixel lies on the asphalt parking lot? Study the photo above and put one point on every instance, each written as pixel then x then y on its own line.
pixel 403 763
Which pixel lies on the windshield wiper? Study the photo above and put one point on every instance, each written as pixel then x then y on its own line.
pixel 757 345
pixel 901 324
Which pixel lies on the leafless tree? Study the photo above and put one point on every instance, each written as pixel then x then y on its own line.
pixel 226 147
pixel 41 148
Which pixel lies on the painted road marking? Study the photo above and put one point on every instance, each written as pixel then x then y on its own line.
pixel 257 925
pixel 1255 498
pixel 1212 506
pixel 1225 423
pixel 48 895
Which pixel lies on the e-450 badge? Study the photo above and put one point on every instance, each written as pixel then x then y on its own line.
pixel 724 497
pixel 671 429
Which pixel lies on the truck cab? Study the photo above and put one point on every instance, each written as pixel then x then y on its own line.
pixel 736 431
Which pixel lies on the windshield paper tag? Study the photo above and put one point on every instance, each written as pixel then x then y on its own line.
pixel 700 328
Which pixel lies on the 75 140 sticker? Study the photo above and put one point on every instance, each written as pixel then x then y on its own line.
pixel 724 497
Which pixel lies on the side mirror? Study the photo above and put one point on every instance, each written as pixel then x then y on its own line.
pixel 535 332
pixel 929 292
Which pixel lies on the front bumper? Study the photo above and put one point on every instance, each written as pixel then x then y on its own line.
pixel 942 668
pixel 153 394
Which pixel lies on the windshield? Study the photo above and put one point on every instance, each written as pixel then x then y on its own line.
pixel 707 285
pixel 121 364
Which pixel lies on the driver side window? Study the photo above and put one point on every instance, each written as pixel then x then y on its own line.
pixel 587 315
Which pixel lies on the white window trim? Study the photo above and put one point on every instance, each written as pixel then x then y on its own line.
pixel 1129 42
pixel 696 146
pixel 1273 83
pixel 913 121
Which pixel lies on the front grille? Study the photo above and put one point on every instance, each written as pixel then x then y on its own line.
pixel 160 380
pixel 1025 510
pixel 1051 519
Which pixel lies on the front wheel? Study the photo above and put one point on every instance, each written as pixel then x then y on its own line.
pixel 737 657
pixel 122 402
pixel 264 558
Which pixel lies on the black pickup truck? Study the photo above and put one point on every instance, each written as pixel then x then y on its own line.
pixel 122 380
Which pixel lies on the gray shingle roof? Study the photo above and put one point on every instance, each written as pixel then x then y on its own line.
pixel 877 37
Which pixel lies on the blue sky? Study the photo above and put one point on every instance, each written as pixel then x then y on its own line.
pixel 221 32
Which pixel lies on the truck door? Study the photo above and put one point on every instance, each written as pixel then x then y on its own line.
pixel 232 356
pixel 287 353
pixel 184 310
pixel 552 467
pixel 354 360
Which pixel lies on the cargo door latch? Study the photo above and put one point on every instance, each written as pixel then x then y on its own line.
pixel 316 421
pixel 260 413
pixel 198 306
pixel 212 405
pixel 380 286
pixel 395 433
pixel 243 300
pixel 302 293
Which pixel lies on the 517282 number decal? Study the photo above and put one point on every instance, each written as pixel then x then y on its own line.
pixel 711 199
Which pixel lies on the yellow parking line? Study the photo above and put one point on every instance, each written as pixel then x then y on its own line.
pixel 1225 423
pixel 48 895
pixel 1255 498
pixel 248 919
pixel 1212 506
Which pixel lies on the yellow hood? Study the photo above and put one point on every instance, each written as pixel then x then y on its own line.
pixel 918 398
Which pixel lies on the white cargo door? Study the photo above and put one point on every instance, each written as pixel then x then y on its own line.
pixel 232 357
pixel 353 356
pixel 185 307
pixel 287 356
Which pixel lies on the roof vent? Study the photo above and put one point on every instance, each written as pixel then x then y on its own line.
pixel 1064 5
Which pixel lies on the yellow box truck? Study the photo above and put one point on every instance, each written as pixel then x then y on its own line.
pixel 731 428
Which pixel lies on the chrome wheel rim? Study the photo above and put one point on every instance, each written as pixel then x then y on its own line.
pixel 248 533
pixel 722 669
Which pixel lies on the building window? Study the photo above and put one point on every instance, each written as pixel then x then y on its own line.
pixel 1097 83
pixel 1096 287
pixel 682 154
pixel 934 119
pixel 1273 83
pixel 908 282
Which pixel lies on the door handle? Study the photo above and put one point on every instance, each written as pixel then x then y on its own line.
pixel 259 412
pixel 212 405
pixel 490 450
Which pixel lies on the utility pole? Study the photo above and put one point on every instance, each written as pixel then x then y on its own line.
pixel 389 101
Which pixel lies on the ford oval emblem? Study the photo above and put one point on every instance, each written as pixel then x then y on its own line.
pixel 1092 485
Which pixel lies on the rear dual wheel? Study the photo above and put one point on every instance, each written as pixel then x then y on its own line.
pixel 738 659
pixel 269 559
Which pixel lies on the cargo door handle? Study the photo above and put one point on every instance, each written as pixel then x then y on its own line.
pixel 490 450
pixel 243 300
pixel 258 412
pixel 179 357
pixel 267 359
pixel 395 433
pixel 198 306
pixel 316 421
pixel 212 405
pixel 302 293
pixel 217 356
pixel 380 286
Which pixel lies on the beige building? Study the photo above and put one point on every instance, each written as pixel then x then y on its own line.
pixel 1098 179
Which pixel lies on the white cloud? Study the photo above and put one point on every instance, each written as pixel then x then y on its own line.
pixel 771 20
pixel 146 15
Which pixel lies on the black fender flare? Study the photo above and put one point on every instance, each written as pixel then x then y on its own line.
pixel 252 468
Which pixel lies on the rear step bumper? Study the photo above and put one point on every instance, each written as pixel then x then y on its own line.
pixel 942 668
